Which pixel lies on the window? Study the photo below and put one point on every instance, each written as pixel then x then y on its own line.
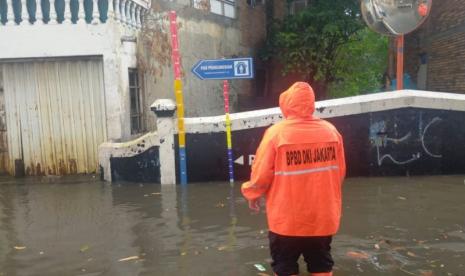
pixel 254 3
pixel 298 5
pixel 135 102
pixel 222 7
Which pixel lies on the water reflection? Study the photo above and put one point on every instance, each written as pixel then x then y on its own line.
pixel 80 226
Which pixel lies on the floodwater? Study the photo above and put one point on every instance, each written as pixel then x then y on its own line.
pixel 81 226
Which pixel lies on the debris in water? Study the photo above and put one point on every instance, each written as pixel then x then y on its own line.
pixel 260 267
pixel 221 248
pixel 358 255
pixel 401 198
pixel 20 247
pixel 411 254
pixel 155 193
pixel 84 248
pixel 129 259
pixel 220 205
pixel 41 253
pixel 377 246
pixel 406 271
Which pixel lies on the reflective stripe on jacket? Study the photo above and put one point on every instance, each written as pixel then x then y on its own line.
pixel 299 167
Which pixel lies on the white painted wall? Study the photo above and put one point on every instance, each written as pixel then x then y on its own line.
pixel 75 40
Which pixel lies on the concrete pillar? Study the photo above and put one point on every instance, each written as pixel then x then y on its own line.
pixel 164 109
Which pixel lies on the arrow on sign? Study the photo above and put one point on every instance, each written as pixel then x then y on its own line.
pixel 239 160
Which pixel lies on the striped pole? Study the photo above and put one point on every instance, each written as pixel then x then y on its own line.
pixel 400 62
pixel 228 130
pixel 175 56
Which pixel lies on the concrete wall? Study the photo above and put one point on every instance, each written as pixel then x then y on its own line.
pixel 441 40
pixel 390 133
pixel 203 35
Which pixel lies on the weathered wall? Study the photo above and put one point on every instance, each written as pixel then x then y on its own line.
pixel 115 43
pixel 441 43
pixel 203 35
pixel 3 134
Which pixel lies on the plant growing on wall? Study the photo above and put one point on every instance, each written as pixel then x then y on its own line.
pixel 154 51
pixel 312 41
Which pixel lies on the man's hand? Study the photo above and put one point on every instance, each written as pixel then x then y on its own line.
pixel 254 205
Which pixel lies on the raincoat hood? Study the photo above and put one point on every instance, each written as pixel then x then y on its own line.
pixel 298 102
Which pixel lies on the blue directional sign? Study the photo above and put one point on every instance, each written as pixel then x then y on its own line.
pixel 224 69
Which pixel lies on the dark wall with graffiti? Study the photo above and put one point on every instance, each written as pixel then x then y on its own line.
pixel 143 167
pixel 407 141
pixel 401 142
pixel 416 141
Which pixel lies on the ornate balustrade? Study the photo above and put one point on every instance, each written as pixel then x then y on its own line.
pixel 129 13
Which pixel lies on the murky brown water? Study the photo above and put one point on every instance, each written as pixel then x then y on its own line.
pixel 80 226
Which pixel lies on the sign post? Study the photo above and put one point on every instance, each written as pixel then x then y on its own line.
pixel 225 69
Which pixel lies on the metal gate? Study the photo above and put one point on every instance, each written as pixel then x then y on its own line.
pixel 55 115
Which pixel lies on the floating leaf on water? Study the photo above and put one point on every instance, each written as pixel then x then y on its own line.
pixel 411 254
pixel 358 255
pixel 260 267
pixel 183 253
pixel 20 247
pixel 401 198
pixel 221 248
pixel 84 248
pixel 41 253
pixel 128 259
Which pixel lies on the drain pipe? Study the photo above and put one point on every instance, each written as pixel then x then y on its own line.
pixel 164 110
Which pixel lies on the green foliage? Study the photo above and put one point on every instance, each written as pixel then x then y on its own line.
pixel 360 65
pixel 318 42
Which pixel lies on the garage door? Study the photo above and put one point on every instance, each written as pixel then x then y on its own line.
pixel 55 115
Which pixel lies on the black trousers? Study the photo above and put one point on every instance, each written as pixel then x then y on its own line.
pixel 286 250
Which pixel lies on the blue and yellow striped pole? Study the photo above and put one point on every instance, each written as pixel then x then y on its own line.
pixel 228 130
pixel 179 97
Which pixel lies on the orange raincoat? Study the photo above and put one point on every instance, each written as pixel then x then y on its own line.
pixel 299 167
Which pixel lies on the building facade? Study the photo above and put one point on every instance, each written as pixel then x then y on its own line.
pixel 434 54
pixel 77 73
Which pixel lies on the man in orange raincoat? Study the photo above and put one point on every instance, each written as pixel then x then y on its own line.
pixel 299 167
